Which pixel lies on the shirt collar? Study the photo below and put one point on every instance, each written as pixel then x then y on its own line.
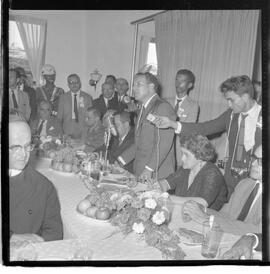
pixel 148 101
pixel 76 93
pixel 254 110
pixel 177 98
pixel 14 172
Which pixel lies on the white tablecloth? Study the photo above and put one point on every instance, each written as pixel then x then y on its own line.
pixel 71 191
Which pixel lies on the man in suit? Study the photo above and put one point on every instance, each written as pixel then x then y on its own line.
pixel 46 124
pixel 107 100
pixel 72 107
pixel 186 109
pixel 242 122
pixel 121 90
pixel 153 150
pixel 122 141
pixel 18 99
pixel 93 134
pixel 24 86
pixel 49 91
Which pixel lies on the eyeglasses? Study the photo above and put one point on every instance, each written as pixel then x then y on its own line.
pixel 255 158
pixel 18 148
pixel 73 82
pixel 138 84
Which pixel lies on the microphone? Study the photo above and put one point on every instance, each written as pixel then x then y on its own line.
pixel 111 126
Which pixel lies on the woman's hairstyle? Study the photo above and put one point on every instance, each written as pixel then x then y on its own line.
pixel 200 146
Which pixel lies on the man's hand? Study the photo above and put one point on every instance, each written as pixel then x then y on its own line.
pixel 21 240
pixel 242 248
pixel 164 122
pixel 195 211
pixel 146 175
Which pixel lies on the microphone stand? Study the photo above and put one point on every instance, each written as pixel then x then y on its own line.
pixel 108 137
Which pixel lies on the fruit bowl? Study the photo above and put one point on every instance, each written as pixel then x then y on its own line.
pixel 64 167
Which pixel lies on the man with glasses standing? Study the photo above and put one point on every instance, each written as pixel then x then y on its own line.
pixel 34 204
pixel 72 108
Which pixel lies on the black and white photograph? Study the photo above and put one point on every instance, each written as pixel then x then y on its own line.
pixel 134 136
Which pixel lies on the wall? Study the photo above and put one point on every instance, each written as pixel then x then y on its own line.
pixel 81 41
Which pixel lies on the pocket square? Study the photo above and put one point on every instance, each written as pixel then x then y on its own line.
pixel 51 128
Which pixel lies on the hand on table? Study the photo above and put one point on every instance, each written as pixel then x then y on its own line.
pixel 21 240
pixel 195 211
pixel 242 248
pixel 146 175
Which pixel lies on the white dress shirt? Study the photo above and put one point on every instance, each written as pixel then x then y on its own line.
pixel 250 125
pixel 43 131
pixel 14 172
pixel 182 100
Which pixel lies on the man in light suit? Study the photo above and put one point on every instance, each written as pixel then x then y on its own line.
pixel 187 110
pixel 46 124
pixel 107 100
pixel 72 107
pixel 18 99
pixel 231 216
pixel 153 150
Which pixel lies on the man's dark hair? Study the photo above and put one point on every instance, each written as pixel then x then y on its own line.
pixel 239 84
pixel 188 73
pixel 150 78
pixel 74 75
pixel 124 116
pixel 21 71
pixel 95 112
pixel 110 76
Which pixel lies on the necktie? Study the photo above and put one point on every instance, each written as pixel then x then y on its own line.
pixel 15 104
pixel 40 127
pixel 76 108
pixel 177 105
pixel 240 143
pixel 140 116
pixel 244 212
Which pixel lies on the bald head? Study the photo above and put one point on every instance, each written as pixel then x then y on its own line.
pixel 19 144
pixel 122 86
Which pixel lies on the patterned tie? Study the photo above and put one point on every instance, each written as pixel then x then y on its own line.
pixel 40 127
pixel 76 108
pixel 241 136
pixel 244 212
pixel 15 104
pixel 177 105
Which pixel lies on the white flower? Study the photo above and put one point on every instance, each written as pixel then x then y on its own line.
pixel 164 195
pixel 138 228
pixel 51 128
pixel 150 203
pixel 49 138
pixel 158 218
pixel 58 142
pixel 42 139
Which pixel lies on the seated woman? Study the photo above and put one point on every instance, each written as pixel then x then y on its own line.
pixel 198 176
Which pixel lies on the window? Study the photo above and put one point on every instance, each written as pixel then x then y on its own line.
pixel 151 60
pixel 17 54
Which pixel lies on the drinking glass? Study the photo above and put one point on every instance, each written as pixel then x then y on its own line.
pixel 212 235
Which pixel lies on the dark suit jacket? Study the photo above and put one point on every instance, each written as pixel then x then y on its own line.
pixel 153 147
pixel 115 149
pixel 99 103
pixel 70 126
pixel 53 127
pixel 32 101
pixel 219 125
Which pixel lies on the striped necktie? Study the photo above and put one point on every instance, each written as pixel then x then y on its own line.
pixel 244 212
pixel 76 108
pixel 241 136
pixel 40 127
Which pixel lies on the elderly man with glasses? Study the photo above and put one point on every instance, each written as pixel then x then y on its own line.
pixel 34 204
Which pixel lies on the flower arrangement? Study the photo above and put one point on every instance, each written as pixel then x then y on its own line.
pixel 148 216
pixel 45 145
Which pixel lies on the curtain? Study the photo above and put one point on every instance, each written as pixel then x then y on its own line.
pixel 144 43
pixel 213 44
pixel 33 35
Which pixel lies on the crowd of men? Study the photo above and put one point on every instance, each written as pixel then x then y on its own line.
pixel 146 141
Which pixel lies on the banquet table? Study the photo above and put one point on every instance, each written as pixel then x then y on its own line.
pixel 100 235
